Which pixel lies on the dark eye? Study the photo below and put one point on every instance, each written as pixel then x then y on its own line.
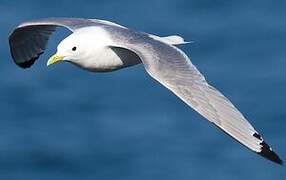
pixel 74 49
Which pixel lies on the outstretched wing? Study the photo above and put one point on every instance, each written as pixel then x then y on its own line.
pixel 173 69
pixel 29 40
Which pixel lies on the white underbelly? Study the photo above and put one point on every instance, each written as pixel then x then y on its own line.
pixel 110 59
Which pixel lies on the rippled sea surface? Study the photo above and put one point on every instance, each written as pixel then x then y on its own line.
pixel 63 123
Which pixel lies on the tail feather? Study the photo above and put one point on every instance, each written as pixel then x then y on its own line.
pixel 172 40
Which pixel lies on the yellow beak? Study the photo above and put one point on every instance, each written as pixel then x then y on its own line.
pixel 54 59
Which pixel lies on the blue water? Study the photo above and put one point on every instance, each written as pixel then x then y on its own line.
pixel 63 123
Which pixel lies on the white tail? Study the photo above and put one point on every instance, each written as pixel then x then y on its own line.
pixel 173 40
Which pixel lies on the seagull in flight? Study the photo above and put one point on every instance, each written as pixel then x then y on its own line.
pixel 103 46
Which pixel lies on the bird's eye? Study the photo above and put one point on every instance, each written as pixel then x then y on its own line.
pixel 74 49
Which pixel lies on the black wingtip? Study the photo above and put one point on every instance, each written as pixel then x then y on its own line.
pixel 267 153
pixel 27 64
pixel 30 62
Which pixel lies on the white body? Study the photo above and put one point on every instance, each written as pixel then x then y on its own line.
pixel 95 52
pixel 94 48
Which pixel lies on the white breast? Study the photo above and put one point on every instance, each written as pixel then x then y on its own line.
pixel 101 56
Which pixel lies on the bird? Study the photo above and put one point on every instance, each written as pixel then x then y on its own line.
pixel 103 46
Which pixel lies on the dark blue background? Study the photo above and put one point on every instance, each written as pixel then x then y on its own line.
pixel 64 123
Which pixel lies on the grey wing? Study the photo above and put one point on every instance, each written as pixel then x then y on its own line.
pixel 173 69
pixel 29 40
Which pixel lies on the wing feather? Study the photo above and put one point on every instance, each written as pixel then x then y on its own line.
pixel 172 68
pixel 29 40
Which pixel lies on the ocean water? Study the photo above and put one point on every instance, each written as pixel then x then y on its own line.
pixel 63 123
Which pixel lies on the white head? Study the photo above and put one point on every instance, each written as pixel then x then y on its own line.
pixel 81 47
